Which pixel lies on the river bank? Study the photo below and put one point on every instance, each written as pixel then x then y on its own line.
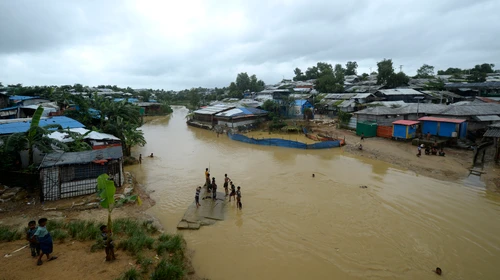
pixel 75 258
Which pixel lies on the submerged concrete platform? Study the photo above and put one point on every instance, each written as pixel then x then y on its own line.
pixel 208 213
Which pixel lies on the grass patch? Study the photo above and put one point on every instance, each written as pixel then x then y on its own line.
pixel 83 230
pixel 131 274
pixel 145 263
pixel 97 246
pixel 167 270
pixel 149 227
pixel 7 234
pixel 169 244
pixel 59 234
pixel 54 224
pixel 136 243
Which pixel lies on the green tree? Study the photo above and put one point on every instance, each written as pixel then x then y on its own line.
pixel 437 84
pixel 425 72
pixel 398 80
pixel 330 80
pixel 194 98
pixel 351 68
pixel 312 73
pixel 299 76
pixel 256 85
pixel 243 82
pixel 364 77
pixel 385 71
pixel 36 136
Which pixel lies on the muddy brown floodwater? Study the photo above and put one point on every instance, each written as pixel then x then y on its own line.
pixel 294 226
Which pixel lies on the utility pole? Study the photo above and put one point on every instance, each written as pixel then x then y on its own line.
pixel 400 68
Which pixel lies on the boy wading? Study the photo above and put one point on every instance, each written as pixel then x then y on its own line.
pixel 238 199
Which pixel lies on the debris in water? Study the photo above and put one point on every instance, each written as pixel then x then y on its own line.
pixel 363 187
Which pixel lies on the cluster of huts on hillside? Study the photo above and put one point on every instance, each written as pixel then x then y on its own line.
pixel 67 174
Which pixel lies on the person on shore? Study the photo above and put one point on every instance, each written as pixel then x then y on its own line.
pixel 140 158
pixel 214 189
pixel 43 237
pixel 109 246
pixel 197 197
pixel 34 246
pixel 419 149
pixel 226 184
pixel 360 147
pixel 441 152
pixel 238 198
pixel 207 179
pixel 438 271
pixel 362 136
pixel 151 155
pixel 233 191
pixel 428 137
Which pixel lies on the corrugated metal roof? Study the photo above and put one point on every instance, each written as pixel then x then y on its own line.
pixel 487 118
pixel 239 112
pixel 212 110
pixel 405 122
pixel 474 85
pixel 339 96
pixel 93 135
pixel 433 119
pixel 492 132
pixel 56 159
pixel 473 109
pixel 377 111
pixel 362 95
pixel 347 103
pixel 400 91
pixel 22 125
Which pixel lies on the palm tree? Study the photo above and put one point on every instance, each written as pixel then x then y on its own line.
pixel 36 136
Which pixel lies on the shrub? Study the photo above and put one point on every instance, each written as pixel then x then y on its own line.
pixel 136 243
pixel 131 274
pixel 54 224
pixel 7 234
pixel 169 244
pixel 59 234
pixel 83 230
pixel 166 270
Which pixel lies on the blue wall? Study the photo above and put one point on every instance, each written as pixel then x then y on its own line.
pixel 463 130
pixel 446 129
pixel 399 131
pixel 429 126
pixel 412 131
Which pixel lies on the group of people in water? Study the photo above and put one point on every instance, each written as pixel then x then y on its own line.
pixel 212 188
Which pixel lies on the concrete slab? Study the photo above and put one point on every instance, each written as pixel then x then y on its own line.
pixel 208 213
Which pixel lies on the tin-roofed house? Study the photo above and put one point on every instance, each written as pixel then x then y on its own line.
pixel 444 127
pixel 64 175
pixel 240 116
pixel 404 129
pixel 494 132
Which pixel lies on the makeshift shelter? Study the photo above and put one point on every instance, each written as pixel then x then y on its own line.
pixel 66 175
pixel 404 129
pixel 368 129
pixel 240 116
pixel 494 132
pixel 444 127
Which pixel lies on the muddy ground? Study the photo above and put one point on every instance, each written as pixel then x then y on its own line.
pixel 453 167
pixel 75 260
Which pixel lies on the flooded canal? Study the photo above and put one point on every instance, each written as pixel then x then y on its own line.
pixel 294 226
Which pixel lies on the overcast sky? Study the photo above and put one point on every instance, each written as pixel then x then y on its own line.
pixel 173 44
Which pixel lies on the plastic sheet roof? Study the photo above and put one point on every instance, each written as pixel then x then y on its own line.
pixel 406 122
pixel 22 125
pixel 240 112
pixel 85 157
pixel 400 91
pixel 22 97
pixel 212 110
pixel 94 135
pixel 433 119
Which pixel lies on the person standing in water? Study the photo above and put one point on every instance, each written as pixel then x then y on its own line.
pixel 197 196
pixel 140 158
pixel 233 191
pixel 226 183
pixel 214 189
pixel 238 199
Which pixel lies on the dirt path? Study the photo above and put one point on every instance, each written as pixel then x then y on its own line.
pixel 454 166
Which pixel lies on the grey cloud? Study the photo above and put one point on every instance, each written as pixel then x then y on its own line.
pixel 175 45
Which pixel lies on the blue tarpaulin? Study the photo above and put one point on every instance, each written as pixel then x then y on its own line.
pixel 23 125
